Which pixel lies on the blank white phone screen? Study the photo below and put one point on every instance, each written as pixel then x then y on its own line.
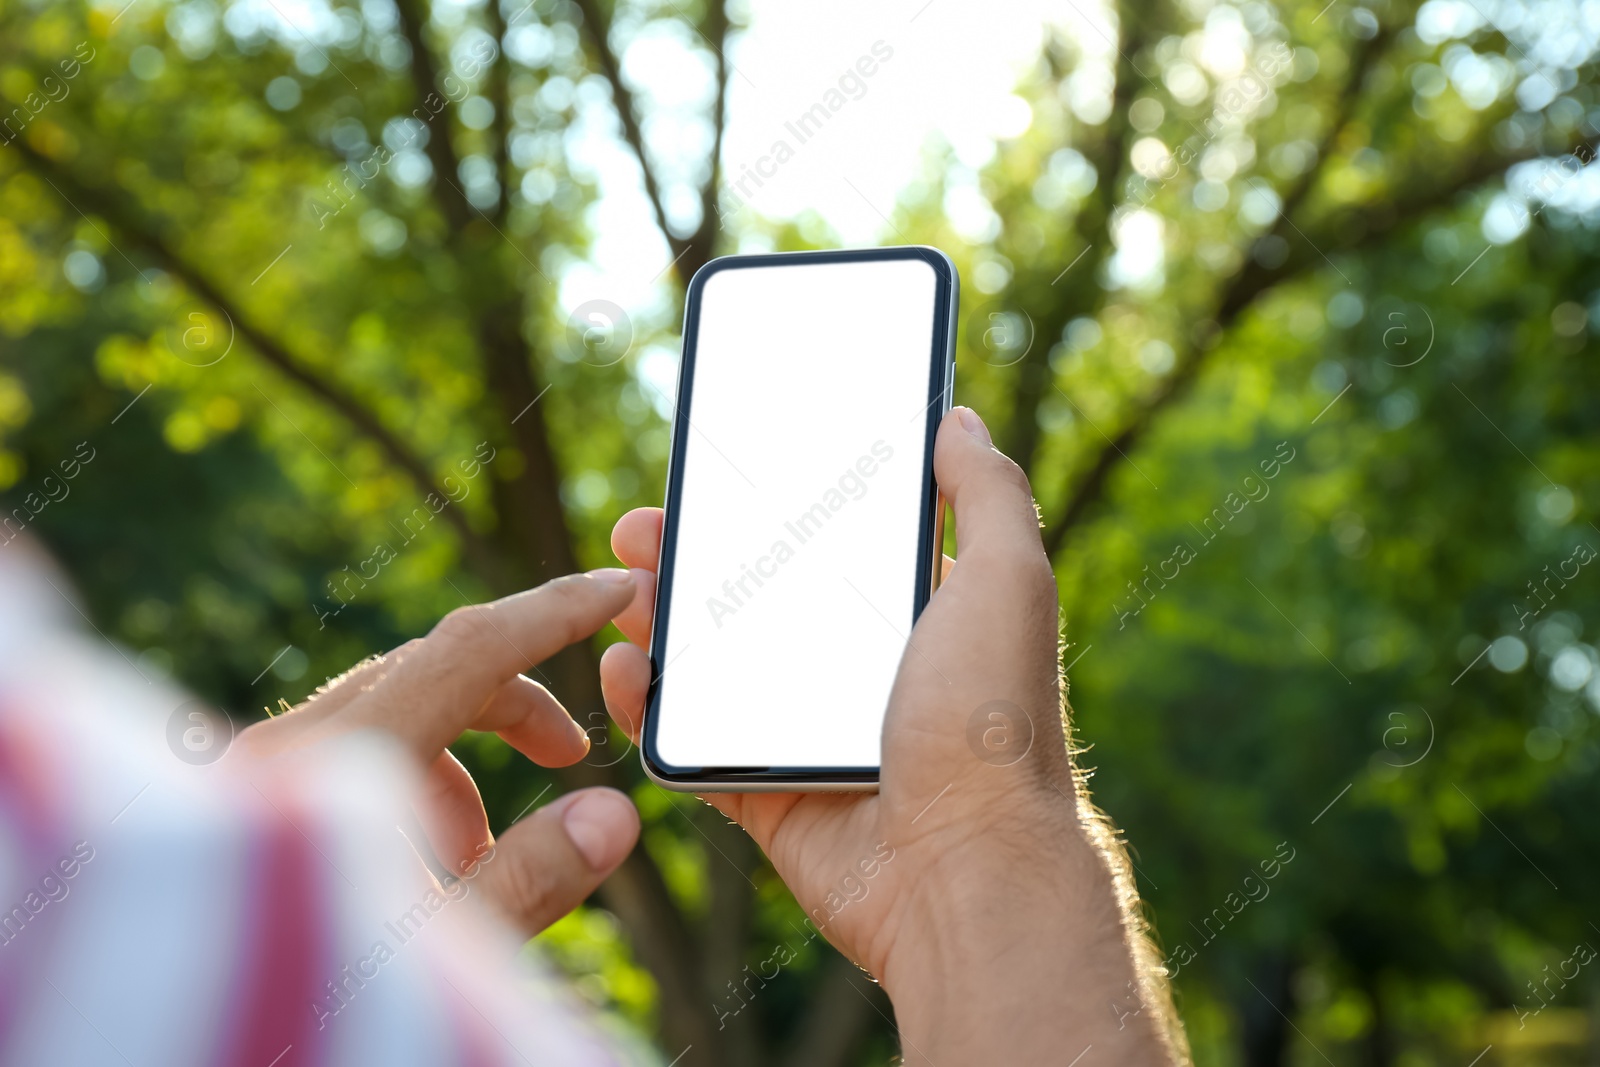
pixel 795 569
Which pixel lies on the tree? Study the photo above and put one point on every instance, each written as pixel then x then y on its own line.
pixel 296 290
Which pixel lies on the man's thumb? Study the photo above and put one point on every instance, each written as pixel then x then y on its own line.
pixel 989 493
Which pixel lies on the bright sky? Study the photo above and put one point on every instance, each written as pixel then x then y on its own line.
pixel 949 75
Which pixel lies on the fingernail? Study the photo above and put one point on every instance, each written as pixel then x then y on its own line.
pixel 974 425
pixel 601 827
pixel 611 575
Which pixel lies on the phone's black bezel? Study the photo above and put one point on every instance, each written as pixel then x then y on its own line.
pixel 940 365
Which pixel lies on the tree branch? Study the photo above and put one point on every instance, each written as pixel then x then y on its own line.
pixel 599 32
pixel 1361 64
pixel 452 201
pixel 126 219
pixel 1082 293
pixel 725 933
pixel 1343 231
pixel 500 95
pixel 703 243
pixel 530 507
pixel 840 1014
pixel 1242 287
pixel 534 535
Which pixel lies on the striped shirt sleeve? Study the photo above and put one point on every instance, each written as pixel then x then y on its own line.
pixel 154 911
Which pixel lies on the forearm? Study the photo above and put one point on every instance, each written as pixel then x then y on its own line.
pixel 1038 964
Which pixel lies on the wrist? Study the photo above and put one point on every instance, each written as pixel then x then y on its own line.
pixel 1019 950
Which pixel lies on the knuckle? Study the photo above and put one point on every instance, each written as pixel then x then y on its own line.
pixel 1032 581
pixel 1013 476
pixel 463 626
pixel 567 603
pixel 1036 569
pixel 1020 566
pixel 573 591
pixel 1047 592
pixel 527 889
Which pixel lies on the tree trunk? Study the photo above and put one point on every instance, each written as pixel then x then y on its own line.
pixel 1381 1046
pixel 1265 1011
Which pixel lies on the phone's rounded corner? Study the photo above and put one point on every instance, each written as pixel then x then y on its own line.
pixel 668 777
pixel 708 270
pixel 941 263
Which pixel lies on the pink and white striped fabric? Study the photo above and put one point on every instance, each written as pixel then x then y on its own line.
pixel 158 914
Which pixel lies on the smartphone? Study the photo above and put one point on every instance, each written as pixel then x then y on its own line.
pixel 803 528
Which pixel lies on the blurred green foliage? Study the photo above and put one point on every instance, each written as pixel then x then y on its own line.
pixel 1304 381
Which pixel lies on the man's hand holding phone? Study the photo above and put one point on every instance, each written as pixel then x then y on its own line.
pixel 992 916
